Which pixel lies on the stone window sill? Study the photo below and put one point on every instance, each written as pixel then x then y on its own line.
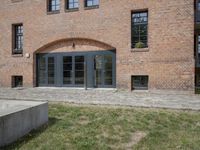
pixel 17 55
pixel 140 50
pixel 72 10
pixel 91 7
pixel 53 12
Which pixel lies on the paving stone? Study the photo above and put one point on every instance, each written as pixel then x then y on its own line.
pixel 158 99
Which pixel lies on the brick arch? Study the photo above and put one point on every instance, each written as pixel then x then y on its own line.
pixel 66 45
pixel 74 44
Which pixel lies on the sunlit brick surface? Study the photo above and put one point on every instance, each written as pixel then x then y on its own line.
pixel 169 59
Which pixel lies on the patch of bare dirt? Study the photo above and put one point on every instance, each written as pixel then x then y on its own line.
pixel 83 120
pixel 135 138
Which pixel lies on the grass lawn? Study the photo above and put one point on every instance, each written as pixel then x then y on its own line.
pixel 102 128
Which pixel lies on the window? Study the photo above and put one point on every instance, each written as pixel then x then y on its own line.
pixel 140 82
pixel 17 81
pixel 72 4
pixel 139 29
pixel 197 80
pixel 53 5
pixel 198 11
pixel 198 5
pixel 17 39
pixel 197 49
pixel 91 3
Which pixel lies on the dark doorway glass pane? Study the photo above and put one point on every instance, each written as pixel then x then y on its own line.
pixel 98 69
pixel 98 77
pixel 79 69
pixel 42 70
pixel 67 70
pixel 51 70
pixel 67 66
pixel 79 77
pixel 67 59
pixel 79 66
pixel 79 59
pixel 67 77
pixel 108 77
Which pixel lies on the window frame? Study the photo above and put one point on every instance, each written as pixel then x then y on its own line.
pixel 197 11
pixel 92 6
pixel 197 79
pixel 147 24
pixel 71 9
pixel 140 87
pixel 15 38
pixel 15 83
pixel 197 49
pixel 49 7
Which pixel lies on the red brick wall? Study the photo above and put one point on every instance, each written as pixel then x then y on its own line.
pixel 169 59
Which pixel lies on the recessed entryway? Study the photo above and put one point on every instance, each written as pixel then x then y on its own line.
pixel 96 69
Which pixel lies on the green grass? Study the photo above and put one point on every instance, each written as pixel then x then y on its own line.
pixel 104 128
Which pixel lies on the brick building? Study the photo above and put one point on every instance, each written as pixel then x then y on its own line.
pixel 128 44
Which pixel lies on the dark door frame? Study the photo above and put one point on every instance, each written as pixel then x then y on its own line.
pixel 73 69
pixel 88 56
pixel 103 71
pixel 46 56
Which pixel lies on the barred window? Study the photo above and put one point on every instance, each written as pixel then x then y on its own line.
pixel 72 4
pixel 18 39
pixel 139 29
pixel 53 5
pixel 17 81
pixel 140 82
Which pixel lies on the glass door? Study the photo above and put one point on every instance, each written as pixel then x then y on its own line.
pixel 98 70
pixel 108 70
pixel 73 70
pixel 42 70
pixel 79 70
pixel 51 70
pixel 103 70
pixel 67 70
pixel 46 70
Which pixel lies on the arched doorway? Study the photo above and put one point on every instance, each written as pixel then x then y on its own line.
pixel 92 67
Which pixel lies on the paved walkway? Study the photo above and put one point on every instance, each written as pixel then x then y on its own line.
pixel 158 99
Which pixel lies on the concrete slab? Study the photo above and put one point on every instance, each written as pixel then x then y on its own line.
pixel 17 118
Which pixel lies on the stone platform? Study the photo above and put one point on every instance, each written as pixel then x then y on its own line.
pixel 17 118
